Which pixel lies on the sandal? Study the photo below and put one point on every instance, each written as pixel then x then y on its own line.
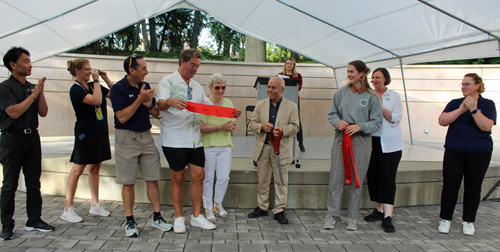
pixel 218 208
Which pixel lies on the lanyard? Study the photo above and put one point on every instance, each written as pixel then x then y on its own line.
pixel 90 87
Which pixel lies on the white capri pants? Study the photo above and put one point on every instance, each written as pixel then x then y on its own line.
pixel 217 159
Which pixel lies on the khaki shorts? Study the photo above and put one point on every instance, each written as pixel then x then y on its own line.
pixel 132 150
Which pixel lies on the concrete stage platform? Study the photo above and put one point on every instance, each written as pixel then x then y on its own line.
pixel 419 178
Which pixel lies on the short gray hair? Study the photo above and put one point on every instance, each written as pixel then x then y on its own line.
pixel 282 81
pixel 216 78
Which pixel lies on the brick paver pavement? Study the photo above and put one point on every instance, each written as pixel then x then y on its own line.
pixel 416 231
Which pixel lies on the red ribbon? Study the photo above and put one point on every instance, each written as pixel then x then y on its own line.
pixel 347 151
pixel 210 110
pixel 275 140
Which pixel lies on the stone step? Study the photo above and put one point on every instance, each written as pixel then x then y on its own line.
pixel 418 183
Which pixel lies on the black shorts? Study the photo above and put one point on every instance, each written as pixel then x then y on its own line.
pixel 91 149
pixel 178 158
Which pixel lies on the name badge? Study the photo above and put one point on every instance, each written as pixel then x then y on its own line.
pixel 98 113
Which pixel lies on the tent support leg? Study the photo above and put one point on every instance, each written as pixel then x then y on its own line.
pixel 406 98
pixel 335 75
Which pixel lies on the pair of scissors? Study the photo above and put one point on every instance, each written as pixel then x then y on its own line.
pixel 275 141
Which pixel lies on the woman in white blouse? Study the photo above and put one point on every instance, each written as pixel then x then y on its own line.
pixel 386 152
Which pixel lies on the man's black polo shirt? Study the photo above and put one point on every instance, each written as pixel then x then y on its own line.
pixel 13 92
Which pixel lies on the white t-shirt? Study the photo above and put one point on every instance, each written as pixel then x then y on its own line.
pixel 180 128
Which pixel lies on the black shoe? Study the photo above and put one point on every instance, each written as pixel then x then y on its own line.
pixel 257 213
pixel 375 216
pixel 387 225
pixel 7 232
pixel 38 225
pixel 301 147
pixel 281 218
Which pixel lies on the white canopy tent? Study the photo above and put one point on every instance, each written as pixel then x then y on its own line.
pixel 333 32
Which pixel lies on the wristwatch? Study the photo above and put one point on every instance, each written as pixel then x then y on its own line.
pixel 96 80
pixel 474 111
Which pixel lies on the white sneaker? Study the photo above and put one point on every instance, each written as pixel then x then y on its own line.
pixel 161 224
pixel 131 229
pixel 179 226
pixel 351 224
pixel 329 222
pixel 69 215
pixel 99 210
pixel 468 228
pixel 210 215
pixel 444 226
pixel 218 208
pixel 202 222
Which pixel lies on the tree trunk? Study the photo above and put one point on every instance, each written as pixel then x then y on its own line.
pixel 255 50
pixel 164 31
pixel 196 30
pixel 295 56
pixel 111 42
pixel 145 35
pixel 136 36
pixel 152 34
pixel 227 43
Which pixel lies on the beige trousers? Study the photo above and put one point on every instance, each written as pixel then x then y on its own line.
pixel 267 166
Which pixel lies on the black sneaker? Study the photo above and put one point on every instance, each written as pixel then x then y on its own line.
pixel 257 213
pixel 375 216
pixel 7 232
pixel 281 218
pixel 38 225
pixel 387 225
pixel 301 147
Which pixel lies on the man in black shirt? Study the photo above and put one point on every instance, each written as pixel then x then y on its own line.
pixel 20 104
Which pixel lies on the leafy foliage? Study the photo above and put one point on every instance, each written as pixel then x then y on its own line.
pixel 276 53
pixel 228 41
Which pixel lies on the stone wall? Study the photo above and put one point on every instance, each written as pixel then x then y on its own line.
pixel 429 87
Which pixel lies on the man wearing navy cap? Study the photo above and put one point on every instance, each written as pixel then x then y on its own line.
pixel 133 102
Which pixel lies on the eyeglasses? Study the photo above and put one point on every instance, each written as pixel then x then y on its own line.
pixel 88 69
pixel 133 56
pixel 190 96
pixel 220 87
pixel 465 84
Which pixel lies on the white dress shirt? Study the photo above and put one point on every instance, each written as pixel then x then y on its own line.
pixel 180 128
pixel 390 132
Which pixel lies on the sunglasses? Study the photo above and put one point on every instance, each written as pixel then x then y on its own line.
pixel 220 87
pixel 133 56
pixel 190 96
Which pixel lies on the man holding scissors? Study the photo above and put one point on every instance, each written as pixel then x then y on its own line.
pixel 276 116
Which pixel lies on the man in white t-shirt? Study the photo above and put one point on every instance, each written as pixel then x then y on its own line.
pixel 181 137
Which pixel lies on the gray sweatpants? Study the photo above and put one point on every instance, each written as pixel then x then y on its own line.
pixel 361 147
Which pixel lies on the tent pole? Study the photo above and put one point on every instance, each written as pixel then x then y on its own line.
pixel 406 98
pixel 335 75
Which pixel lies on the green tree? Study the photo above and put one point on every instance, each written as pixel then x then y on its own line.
pixel 225 38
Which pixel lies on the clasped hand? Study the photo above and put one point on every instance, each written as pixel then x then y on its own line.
pixel 469 103
pixel 348 129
